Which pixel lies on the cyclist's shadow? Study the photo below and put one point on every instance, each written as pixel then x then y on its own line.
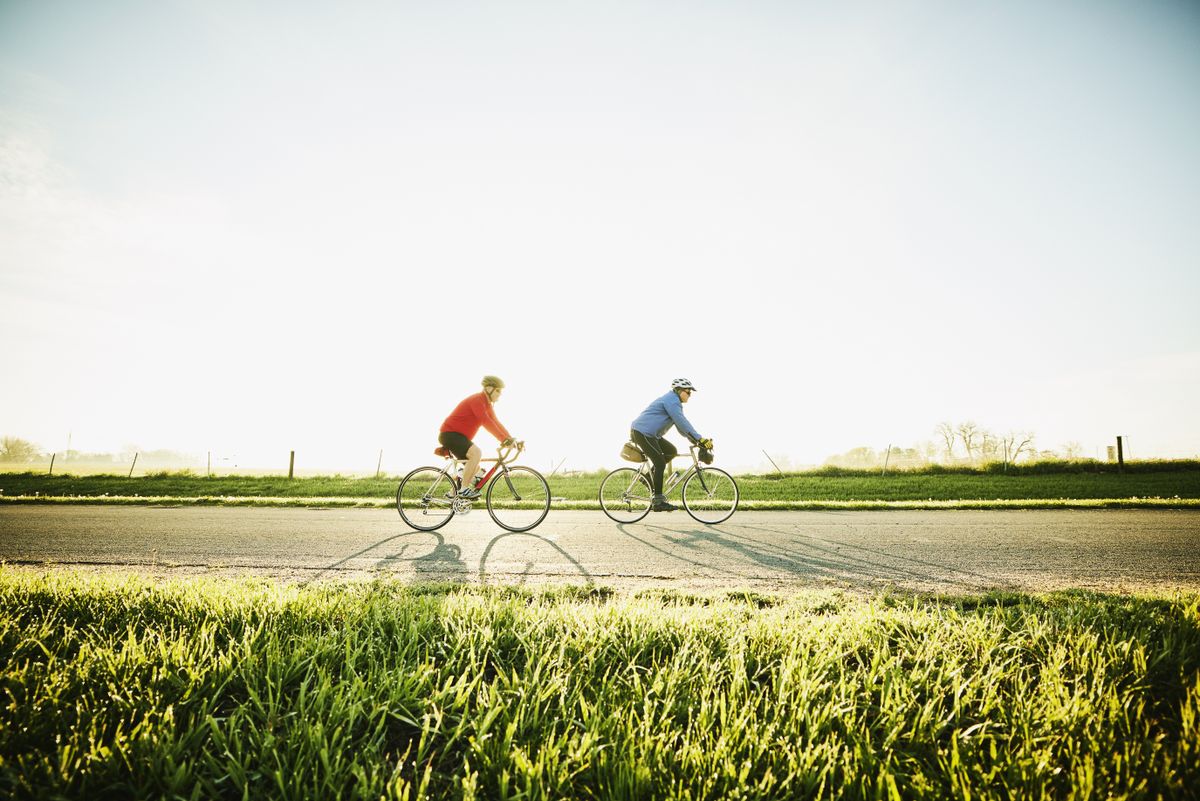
pixel 589 581
pixel 443 564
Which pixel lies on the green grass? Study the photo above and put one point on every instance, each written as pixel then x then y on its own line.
pixel 813 489
pixel 203 689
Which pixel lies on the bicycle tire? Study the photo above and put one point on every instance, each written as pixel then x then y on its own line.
pixel 710 495
pixel 426 491
pixel 626 495
pixel 530 505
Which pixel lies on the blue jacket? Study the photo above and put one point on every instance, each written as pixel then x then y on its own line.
pixel 663 413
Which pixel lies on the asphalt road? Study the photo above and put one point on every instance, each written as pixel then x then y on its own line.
pixel 948 551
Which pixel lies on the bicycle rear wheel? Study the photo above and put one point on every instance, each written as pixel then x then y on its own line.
pixel 421 499
pixel 518 498
pixel 710 495
pixel 625 495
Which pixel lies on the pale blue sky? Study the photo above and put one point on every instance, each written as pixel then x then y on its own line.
pixel 257 229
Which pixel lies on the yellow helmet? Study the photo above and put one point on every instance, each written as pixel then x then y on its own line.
pixel 492 381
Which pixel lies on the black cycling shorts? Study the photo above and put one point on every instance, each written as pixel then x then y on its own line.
pixel 456 442
pixel 658 449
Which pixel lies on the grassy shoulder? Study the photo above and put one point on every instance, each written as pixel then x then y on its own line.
pixel 243 689
pixel 1143 484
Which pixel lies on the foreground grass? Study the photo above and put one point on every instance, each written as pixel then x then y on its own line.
pixel 801 490
pixel 123 688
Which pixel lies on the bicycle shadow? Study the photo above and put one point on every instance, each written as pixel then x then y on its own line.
pixel 912 563
pixel 816 561
pixel 624 528
pixel 443 564
pixel 529 565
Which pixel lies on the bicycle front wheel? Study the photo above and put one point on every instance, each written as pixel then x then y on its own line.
pixel 625 495
pixel 425 499
pixel 518 499
pixel 710 495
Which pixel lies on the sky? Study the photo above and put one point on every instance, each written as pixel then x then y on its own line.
pixel 247 229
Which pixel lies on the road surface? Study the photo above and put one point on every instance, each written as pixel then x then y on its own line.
pixel 946 551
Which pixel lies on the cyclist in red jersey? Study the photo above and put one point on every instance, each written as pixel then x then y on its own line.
pixel 464 423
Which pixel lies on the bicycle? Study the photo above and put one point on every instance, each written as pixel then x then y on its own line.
pixel 710 495
pixel 518 498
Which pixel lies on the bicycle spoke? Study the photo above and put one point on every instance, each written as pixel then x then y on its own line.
pixel 625 495
pixel 518 498
pixel 710 495
pixel 422 499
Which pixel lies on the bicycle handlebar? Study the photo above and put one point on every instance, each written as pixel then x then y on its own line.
pixel 504 452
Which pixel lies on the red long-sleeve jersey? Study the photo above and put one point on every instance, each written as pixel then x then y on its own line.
pixel 473 412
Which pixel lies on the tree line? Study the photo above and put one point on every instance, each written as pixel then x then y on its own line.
pixel 964 443
pixel 14 450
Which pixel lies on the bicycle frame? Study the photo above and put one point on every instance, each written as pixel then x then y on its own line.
pixel 675 479
pixel 710 494
pixel 518 503
pixel 504 457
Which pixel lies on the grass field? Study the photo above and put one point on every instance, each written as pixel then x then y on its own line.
pixel 1161 480
pixel 204 689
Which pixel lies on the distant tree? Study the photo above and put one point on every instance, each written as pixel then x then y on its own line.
pixel 968 432
pixel 989 446
pixel 13 449
pixel 1072 450
pixel 856 457
pixel 1015 444
pixel 908 457
pixel 945 431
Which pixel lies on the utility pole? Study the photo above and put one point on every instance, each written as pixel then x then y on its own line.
pixel 1120 454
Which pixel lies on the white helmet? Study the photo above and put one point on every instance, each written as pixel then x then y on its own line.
pixel 682 383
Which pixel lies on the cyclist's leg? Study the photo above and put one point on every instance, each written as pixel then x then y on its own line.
pixel 474 457
pixel 660 453
pixel 463 448
pixel 653 448
pixel 669 450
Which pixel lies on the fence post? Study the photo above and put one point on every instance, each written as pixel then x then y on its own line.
pixel 379 464
pixel 133 465
pixel 772 461
pixel 51 464
pixel 886 457
pixel 291 465
pixel 1120 455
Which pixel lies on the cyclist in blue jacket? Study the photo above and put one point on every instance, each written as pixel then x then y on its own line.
pixel 648 429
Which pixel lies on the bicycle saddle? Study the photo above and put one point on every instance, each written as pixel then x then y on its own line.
pixel 441 450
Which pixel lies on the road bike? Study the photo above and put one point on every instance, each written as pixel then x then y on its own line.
pixel 710 495
pixel 517 498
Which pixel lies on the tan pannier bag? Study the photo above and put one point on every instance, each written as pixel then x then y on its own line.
pixel 632 453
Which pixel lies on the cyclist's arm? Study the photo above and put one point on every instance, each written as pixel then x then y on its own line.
pixel 492 424
pixel 675 409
